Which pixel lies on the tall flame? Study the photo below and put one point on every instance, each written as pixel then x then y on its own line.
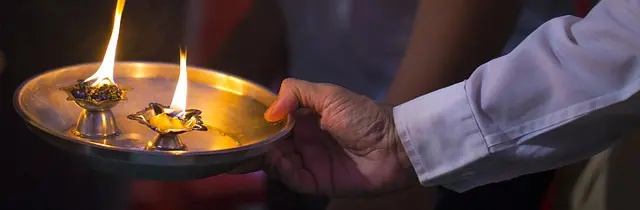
pixel 104 75
pixel 179 101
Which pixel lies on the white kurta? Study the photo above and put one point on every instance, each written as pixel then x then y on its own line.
pixel 564 94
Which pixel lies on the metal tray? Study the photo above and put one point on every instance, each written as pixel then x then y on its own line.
pixel 232 109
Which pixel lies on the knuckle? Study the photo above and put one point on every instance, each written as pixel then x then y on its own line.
pixel 332 90
pixel 287 82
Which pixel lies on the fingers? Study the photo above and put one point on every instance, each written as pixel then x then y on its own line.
pixel 285 164
pixel 295 93
pixel 288 169
pixel 276 149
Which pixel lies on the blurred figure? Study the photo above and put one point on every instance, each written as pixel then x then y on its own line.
pixel 608 181
pixel 477 131
pixel 363 45
pixel 368 64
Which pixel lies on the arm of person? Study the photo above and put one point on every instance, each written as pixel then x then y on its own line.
pixel 564 94
pixel 450 39
pixel 256 49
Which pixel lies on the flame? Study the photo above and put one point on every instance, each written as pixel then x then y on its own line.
pixel 104 75
pixel 179 101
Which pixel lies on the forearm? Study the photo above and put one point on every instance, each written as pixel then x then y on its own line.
pixel 562 95
pixel 450 39
pixel 256 50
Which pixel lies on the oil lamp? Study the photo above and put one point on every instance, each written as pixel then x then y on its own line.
pixel 233 108
pixel 170 122
pixel 99 93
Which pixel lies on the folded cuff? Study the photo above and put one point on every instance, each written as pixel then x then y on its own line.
pixel 440 135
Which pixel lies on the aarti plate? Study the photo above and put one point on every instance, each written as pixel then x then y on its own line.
pixel 232 110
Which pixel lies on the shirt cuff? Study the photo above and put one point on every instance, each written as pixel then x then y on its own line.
pixel 441 136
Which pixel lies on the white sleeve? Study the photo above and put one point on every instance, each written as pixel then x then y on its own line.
pixel 564 94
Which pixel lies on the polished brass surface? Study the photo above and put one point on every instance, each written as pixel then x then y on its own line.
pixel 96 124
pixel 166 142
pixel 232 110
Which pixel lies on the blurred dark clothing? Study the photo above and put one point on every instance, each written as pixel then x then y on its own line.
pixel 522 193
pixel 39 35
pixel 281 197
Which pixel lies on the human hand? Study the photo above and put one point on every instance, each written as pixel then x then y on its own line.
pixel 344 144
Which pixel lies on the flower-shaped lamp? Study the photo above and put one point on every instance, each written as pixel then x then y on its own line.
pixel 96 119
pixel 169 124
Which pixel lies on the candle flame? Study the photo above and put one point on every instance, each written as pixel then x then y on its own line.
pixel 179 101
pixel 104 75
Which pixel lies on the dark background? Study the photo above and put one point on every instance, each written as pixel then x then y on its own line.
pixel 39 35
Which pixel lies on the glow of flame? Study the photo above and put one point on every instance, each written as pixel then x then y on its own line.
pixel 179 101
pixel 228 89
pixel 104 75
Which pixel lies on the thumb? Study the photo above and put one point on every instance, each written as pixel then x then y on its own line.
pixel 293 95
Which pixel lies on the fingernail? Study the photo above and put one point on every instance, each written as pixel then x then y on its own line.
pixel 270 118
pixel 269 112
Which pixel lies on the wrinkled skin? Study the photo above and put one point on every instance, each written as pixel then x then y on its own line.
pixel 342 145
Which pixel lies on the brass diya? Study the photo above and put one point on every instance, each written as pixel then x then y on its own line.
pixel 168 139
pixel 232 111
pixel 96 119
pixel 97 94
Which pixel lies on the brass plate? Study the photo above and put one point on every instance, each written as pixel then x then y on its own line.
pixel 232 109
